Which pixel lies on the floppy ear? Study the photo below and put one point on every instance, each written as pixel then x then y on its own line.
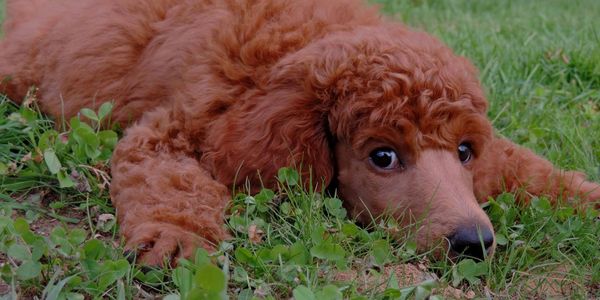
pixel 282 124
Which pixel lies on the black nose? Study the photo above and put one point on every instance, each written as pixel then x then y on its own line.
pixel 472 240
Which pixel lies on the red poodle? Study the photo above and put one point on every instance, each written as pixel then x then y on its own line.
pixel 223 91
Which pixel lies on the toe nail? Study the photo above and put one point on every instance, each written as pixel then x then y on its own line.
pixel 129 255
pixel 143 247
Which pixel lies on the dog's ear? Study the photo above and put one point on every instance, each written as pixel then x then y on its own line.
pixel 282 124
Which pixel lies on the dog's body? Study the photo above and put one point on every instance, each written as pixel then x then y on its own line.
pixel 222 91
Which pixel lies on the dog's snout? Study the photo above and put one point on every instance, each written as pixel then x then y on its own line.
pixel 472 240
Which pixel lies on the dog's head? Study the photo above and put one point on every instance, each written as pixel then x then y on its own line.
pixel 394 117
pixel 409 124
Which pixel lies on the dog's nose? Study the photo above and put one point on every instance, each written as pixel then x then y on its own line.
pixel 472 240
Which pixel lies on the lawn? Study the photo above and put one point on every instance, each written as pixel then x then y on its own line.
pixel 539 61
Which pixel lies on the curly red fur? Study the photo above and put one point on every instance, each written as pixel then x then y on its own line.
pixel 220 92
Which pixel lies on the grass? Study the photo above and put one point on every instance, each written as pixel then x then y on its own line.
pixel 539 63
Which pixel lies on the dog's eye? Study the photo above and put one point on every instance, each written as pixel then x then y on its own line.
pixel 464 152
pixel 384 158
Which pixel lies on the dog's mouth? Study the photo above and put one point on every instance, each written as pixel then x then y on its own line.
pixel 471 240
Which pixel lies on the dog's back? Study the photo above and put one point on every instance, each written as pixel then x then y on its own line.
pixel 141 54
pixel 82 53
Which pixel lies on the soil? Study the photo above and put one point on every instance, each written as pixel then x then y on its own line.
pixel 406 274
pixel 555 283
pixel 4 287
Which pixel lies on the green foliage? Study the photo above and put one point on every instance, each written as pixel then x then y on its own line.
pixel 469 270
pixel 86 266
pixel 288 176
pixel 33 151
pixel 200 279
pixel 303 234
pixel 421 291
pixel 330 291
pixel 381 251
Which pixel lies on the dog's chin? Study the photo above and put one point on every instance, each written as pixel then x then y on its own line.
pixel 456 257
pixel 440 250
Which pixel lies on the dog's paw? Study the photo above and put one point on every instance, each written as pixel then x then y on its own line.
pixel 159 243
pixel 585 194
pixel 592 193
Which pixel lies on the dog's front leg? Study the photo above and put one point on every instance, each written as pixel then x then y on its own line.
pixel 167 203
pixel 505 166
